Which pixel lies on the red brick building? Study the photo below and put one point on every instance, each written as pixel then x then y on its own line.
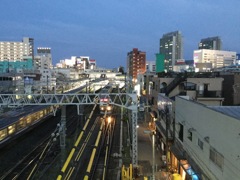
pixel 136 63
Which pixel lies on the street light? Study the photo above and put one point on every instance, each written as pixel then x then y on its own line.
pixel 109 119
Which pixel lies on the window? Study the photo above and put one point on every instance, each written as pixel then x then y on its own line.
pixel 180 135
pixel 216 158
pixel 200 144
pixel 189 135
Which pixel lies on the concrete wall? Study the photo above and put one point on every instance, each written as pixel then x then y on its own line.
pixel 215 84
pixel 236 90
pixel 223 132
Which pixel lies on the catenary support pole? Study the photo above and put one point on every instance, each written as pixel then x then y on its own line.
pixel 62 129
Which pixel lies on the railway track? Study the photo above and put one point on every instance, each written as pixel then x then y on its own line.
pixel 100 168
pixel 29 165
pixel 44 149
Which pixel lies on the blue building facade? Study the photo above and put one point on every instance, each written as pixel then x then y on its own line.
pixel 12 66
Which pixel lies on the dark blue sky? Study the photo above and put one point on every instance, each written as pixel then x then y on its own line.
pixel 106 30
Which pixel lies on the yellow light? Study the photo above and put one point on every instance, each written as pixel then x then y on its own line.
pixel 109 119
pixel 109 108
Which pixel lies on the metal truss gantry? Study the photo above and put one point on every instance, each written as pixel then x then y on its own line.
pixel 123 100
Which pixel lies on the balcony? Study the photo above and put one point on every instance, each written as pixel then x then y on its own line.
pixel 209 94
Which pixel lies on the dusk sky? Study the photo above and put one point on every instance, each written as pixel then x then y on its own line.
pixel 107 30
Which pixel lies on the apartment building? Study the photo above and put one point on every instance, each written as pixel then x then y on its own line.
pixel 13 51
pixel 136 63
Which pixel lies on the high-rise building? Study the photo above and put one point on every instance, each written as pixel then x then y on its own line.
pixel 214 43
pixel 171 46
pixel 16 51
pixel 136 63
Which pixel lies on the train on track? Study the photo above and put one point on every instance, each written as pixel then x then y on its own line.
pixel 22 122
pixel 105 100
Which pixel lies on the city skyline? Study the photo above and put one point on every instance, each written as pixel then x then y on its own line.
pixel 107 31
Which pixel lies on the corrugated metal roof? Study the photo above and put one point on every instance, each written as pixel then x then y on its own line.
pixel 233 111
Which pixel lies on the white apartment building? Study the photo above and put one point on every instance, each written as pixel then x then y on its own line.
pixel 206 59
pixel 13 51
pixel 209 137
